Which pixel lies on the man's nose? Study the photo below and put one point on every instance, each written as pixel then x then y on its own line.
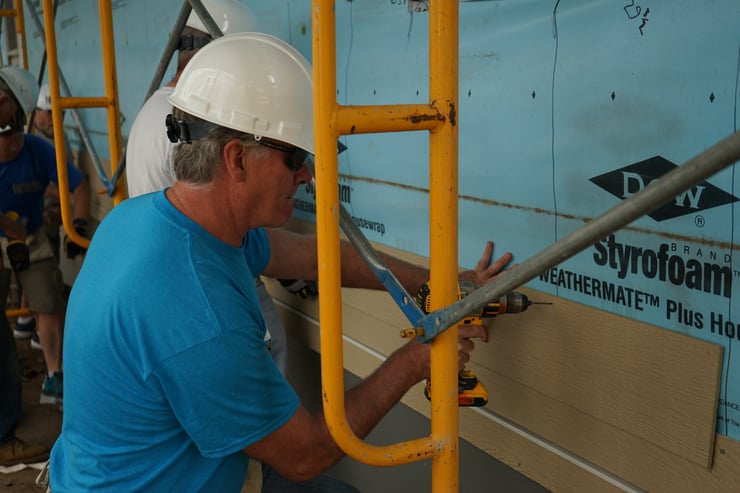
pixel 304 174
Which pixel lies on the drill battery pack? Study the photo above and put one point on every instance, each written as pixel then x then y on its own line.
pixel 470 392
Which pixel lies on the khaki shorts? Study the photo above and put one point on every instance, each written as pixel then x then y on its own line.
pixel 42 281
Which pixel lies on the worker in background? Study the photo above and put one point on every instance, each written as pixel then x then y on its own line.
pixel 43 123
pixel 149 151
pixel 170 384
pixel 27 166
pixel 18 223
pixel 43 126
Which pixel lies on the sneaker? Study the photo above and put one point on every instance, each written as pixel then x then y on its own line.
pixel 24 329
pixel 35 343
pixel 17 451
pixel 51 390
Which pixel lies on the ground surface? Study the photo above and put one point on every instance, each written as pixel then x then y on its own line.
pixel 40 423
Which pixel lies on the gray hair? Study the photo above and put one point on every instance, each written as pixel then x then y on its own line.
pixel 196 162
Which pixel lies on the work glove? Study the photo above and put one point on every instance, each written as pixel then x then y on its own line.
pixel 71 248
pixel 300 288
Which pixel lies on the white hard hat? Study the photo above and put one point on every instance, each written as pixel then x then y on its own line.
pixel 44 101
pixel 231 16
pixel 22 84
pixel 251 82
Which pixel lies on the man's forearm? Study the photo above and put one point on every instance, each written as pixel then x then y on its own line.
pixel 295 256
pixel 369 401
pixel 303 448
pixel 356 273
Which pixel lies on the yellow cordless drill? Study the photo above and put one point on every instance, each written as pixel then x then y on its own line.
pixel 470 391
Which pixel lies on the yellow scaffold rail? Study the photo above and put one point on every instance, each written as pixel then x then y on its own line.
pixel 20 30
pixel 439 117
pixel 58 104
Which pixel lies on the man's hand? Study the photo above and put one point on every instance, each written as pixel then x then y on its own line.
pixel 14 230
pixel 465 345
pixel 485 271
pixel 71 248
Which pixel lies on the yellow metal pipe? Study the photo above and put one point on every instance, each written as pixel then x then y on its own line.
pixel 17 312
pixel 20 29
pixel 111 89
pixel 56 116
pixel 327 228
pixel 390 118
pixel 66 102
pixel 327 220
pixel 58 103
pixel 443 194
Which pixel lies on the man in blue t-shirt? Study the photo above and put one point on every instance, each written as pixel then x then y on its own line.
pixel 170 386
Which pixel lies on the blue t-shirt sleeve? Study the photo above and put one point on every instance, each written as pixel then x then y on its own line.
pixel 241 396
pixel 256 247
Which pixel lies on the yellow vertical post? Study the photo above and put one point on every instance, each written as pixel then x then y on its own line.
pixel 331 120
pixel 111 92
pixel 56 117
pixel 440 118
pixel 327 201
pixel 443 191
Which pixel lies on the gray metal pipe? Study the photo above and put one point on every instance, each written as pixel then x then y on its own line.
pixel 659 192
pixel 403 299
pixel 205 16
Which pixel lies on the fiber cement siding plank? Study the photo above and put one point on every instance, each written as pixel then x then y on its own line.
pixel 650 382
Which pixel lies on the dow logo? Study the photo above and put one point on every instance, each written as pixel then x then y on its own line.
pixel 631 179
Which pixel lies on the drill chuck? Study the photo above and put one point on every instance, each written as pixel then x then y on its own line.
pixel 516 302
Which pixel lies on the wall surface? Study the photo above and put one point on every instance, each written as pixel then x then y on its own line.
pixel 580 400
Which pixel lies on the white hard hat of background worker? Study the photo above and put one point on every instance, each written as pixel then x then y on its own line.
pixel 250 82
pixel 43 122
pixel 231 16
pixel 23 91
pixel 44 100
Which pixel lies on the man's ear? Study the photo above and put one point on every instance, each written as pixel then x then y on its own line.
pixel 235 154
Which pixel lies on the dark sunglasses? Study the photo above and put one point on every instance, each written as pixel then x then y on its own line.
pixel 297 157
